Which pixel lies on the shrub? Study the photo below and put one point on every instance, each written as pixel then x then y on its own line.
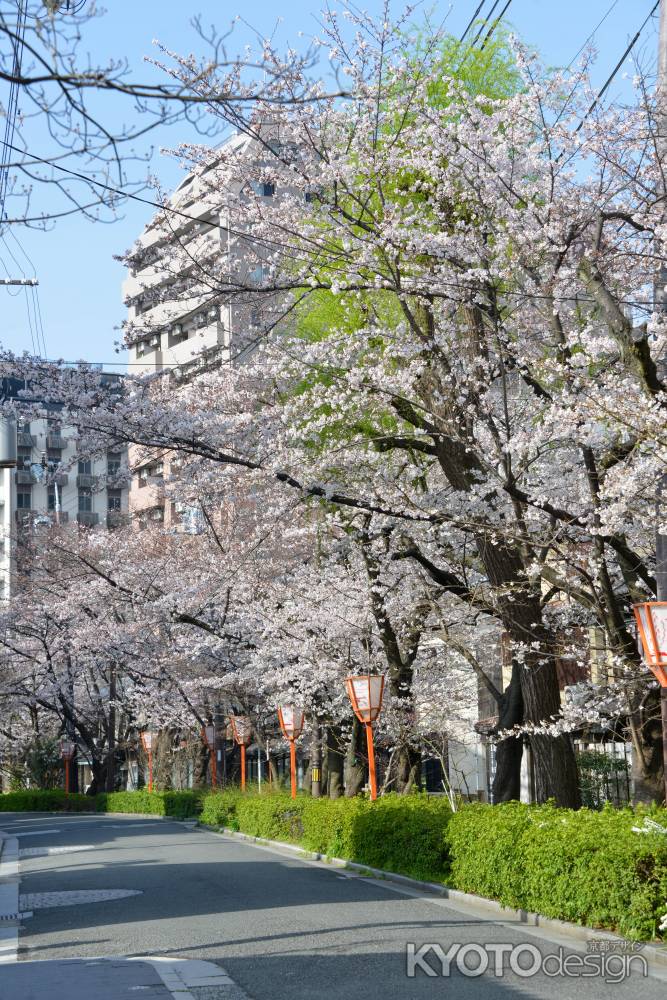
pixel 178 804
pixel 49 800
pixel 585 866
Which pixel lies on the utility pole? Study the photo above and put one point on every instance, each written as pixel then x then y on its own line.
pixel 660 304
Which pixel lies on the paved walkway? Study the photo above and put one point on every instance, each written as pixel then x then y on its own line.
pixel 116 979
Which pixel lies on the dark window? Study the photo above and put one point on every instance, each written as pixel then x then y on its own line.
pixel 85 467
pixel 23 497
pixel 268 190
pixel 23 457
pixel 113 499
pixel 51 500
pixel 113 466
pixel 85 501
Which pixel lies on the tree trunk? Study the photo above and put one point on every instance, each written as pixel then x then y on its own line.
pixel 355 761
pixel 316 761
pixel 647 756
pixel 506 784
pixel 336 762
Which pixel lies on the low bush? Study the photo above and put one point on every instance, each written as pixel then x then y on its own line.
pixel 586 866
pixel 49 800
pixel 178 804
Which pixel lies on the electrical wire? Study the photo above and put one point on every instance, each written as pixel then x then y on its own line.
pixel 472 20
pixel 617 67
pixel 592 35
pixel 495 25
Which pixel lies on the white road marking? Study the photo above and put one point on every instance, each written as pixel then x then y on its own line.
pixel 45 900
pixel 43 852
pixel 34 833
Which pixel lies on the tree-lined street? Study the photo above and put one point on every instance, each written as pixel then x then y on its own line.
pixel 280 926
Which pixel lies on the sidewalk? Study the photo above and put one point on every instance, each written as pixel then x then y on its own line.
pixel 116 979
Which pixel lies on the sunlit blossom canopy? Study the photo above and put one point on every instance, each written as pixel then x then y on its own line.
pixel 365 693
pixel 291 721
pixel 242 727
pixel 652 625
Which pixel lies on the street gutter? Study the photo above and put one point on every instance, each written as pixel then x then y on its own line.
pixel 655 954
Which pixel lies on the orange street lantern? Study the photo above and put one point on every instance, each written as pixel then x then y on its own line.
pixel 242 730
pixel 208 735
pixel 652 623
pixel 291 722
pixel 67 750
pixel 365 694
pixel 148 741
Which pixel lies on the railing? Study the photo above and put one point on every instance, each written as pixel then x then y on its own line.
pixel 24 477
pixel 117 519
pixel 56 441
pixel 88 517
pixel 25 440
pixel 86 480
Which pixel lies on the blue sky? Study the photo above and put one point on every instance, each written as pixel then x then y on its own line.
pixel 80 283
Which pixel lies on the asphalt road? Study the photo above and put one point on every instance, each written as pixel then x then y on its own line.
pixel 282 928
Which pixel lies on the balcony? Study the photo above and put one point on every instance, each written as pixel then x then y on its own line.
pixel 56 441
pixel 24 477
pixel 24 516
pixel 117 519
pixel 85 480
pixel 61 478
pixel 25 440
pixel 88 517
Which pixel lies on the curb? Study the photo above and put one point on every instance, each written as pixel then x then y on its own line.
pixel 655 954
pixel 9 897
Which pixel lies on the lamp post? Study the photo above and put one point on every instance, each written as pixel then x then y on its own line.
pixel 365 694
pixel 209 737
pixel 241 728
pixel 291 723
pixel 652 624
pixel 148 740
pixel 67 748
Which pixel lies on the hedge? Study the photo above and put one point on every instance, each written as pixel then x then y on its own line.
pixel 586 866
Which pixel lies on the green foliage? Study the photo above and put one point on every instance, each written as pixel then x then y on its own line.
pixel 178 804
pixel 49 800
pixel 585 866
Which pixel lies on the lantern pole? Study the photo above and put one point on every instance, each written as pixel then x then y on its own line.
pixel 292 766
pixel 150 770
pixel 66 775
pixel 372 780
pixel 243 767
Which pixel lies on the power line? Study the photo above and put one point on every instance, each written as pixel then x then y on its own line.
pixel 618 65
pixel 592 34
pixel 472 20
pixel 495 24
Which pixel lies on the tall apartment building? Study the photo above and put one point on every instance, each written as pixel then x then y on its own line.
pixel 51 486
pixel 190 333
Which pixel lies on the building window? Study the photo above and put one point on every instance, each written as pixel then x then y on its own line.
pixel 85 467
pixel 51 500
pixel 113 463
pixel 23 497
pixel 113 499
pixel 23 457
pixel 54 456
pixel 142 476
pixel 85 501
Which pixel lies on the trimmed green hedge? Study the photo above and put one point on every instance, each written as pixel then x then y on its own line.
pixel 52 800
pixel 586 866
